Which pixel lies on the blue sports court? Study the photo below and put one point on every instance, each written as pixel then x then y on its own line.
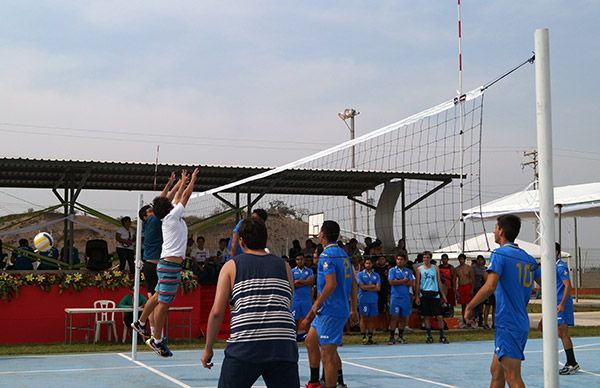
pixel 463 364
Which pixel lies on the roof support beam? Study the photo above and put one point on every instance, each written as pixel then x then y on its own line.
pixel 429 193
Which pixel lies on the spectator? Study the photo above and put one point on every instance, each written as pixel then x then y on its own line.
pixel 125 237
pixel 3 257
pixel 64 254
pixel 427 295
pixel 199 252
pixel 369 285
pixel 222 252
pixel 465 277
pixel 309 247
pixel 51 253
pixel 21 260
pixel 401 280
pixel 295 250
pixel 368 242
pixel 448 275
pixel 478 266
pixel 382 268
pixel 352 250
pixel 127 302
pixel 400 249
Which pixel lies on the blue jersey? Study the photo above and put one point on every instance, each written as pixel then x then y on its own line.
pixel 401 290
pixel 429 280
pixel 367 279
pixel 335 260
pixel 152 230
pixel 517 271
pixel 303 292
pixel 562 274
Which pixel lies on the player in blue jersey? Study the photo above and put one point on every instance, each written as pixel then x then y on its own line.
pixel 511 275
pixel 564 312
pixel 401 279
pixel 330 311
pixel 303 281
pixel 369 284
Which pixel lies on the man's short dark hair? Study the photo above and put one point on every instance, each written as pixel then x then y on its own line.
pixel 370 258
pixel 353 241
pixel 462 256
pixel 143 210
pixel 162 206
pixel 510 225
pixel 428 253
pixel 261 213
pixel 254 234
pixel 200 238
pixel 331 230
pixel 444 255
pixel 23 242
pixel 125 219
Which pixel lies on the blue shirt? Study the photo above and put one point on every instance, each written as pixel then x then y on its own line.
pixel 239 248
pixel 401 290
pixel 517 271
pixel 153 239
pixel 334 260
pixel 429 281
pixel 302 292
pixel 367 279
pixel 562 274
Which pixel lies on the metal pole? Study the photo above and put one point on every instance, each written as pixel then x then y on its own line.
pixel 559 224
pixel 576 274
pixel 544 136
pixel 462 131
pixel 136 281
pixel 353 167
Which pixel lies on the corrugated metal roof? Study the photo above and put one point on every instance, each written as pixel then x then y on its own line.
pixel 138 176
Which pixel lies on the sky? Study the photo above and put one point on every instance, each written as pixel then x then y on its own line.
pixel 214 81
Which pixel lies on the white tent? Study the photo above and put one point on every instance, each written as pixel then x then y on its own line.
pixel 569 201
pixel 484 244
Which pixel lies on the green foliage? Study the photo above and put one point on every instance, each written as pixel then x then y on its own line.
pixel 279 207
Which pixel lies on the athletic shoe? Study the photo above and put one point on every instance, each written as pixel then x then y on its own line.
pixel 365 341
pixel 370 342
pixel 159 348
pixel 141 330
pixel 401 340
pixel 444 340
pixel 569 369
pixel 392 341
pixel 429 340
pixel 313 385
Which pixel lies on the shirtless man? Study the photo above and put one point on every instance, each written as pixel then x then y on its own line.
pixel 465 279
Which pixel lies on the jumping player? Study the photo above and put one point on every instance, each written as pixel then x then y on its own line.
pixel 170 210
pixel 330 310
pixel 369 284
pixel 401 279
pixel 510 275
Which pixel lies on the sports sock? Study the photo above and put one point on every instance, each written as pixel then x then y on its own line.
pixel 152 330
pixel 400 332
pixel 392 334
pixel 429 332
pixel 314 375
pixel 340 379
pixel 158 341
pixel 570 357
pixel 370 333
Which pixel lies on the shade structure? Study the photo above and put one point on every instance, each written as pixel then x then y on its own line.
pixel 484 245
pixel 571 201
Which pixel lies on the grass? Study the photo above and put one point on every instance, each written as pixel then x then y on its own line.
pixel 537 308
pixel 353 339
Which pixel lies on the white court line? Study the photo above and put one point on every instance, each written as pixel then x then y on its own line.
pixel 399 374
pixel 156 371
pixel 66 370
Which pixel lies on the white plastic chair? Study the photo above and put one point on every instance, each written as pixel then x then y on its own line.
pixel 105 318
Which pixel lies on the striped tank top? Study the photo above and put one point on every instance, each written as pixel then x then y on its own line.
pixel 262 327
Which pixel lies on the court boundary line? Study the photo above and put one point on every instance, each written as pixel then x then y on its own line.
pixel 398 374
pixel 156 371
pixel 66 370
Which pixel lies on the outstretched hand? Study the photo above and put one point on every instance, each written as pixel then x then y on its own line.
pixel 195 173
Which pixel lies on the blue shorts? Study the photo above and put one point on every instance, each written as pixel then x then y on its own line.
pixel 300 308
pixel 169 276
pixel 510 343
pixel 401 306
pixel 567 316
pixel 368 309
pixel 329 329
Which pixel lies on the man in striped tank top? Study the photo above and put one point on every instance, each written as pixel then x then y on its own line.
pixel 429 289
pixel 259 287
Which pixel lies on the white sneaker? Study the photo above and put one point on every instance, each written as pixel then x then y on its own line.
pixel 569 369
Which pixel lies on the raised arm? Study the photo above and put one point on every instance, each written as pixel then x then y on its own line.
pixel 181 188
pixel 190 187
pixel 165 191
pixel 171 194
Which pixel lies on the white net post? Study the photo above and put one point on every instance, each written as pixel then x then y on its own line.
pixel 544 139
pixel 136 281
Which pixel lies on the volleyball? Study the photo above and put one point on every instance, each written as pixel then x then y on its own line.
pixel 43 242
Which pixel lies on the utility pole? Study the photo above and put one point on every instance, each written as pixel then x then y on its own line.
pixel 350 113
pixel 531 160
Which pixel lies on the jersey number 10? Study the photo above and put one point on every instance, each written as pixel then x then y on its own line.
pixel 525 275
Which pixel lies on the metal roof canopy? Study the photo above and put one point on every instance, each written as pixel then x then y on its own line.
pixel 132 176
